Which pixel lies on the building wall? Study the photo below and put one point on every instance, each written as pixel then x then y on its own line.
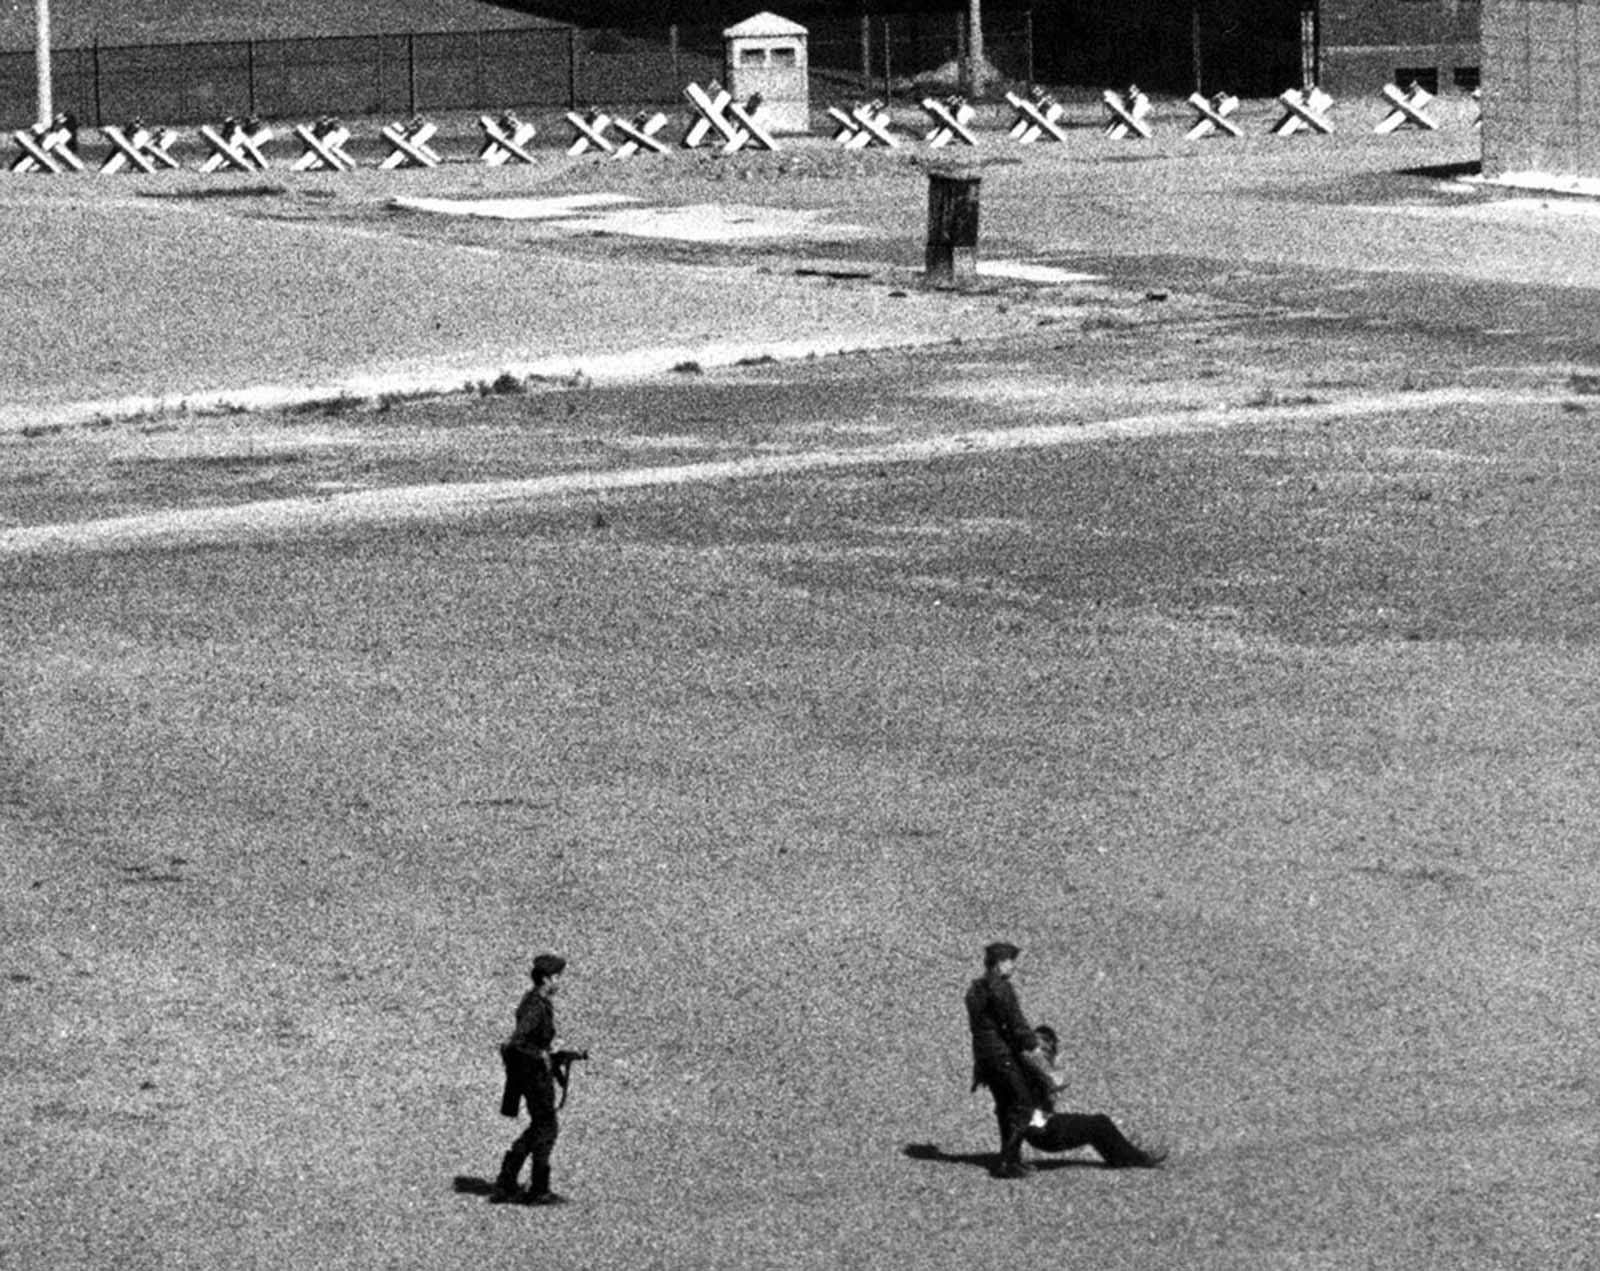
pixel 1541 88
pixel 1365 44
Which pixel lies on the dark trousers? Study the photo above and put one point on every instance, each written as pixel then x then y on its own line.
pixel 537 1141
pixel 1067 1130
pixel 1013 1102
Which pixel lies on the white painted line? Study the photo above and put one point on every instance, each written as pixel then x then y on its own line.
pixel 514 209
pixel 1024 271
pixel 597 368
pixel 1554 183
pixel 404 504
pixel 605 214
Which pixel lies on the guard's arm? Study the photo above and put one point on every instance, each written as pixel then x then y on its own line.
pixel 1035 1060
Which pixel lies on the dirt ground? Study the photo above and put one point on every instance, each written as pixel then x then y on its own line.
pixel 1218 631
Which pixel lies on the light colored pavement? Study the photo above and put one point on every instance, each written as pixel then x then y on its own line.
pixel 115 303
pixel 116 306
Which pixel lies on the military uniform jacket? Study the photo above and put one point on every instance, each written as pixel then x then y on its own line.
pixel 536 1025
pixel 1000 1031
pixel 526 1055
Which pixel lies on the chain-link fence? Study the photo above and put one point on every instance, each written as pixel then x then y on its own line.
pixel 402 75
pixel 1099 43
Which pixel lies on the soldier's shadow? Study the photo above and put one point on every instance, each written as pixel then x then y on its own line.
pixel 990 1160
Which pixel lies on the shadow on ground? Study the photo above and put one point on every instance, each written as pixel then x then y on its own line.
pixel 985 1160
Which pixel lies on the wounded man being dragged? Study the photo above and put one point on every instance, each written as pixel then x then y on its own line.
pixel 1052 1131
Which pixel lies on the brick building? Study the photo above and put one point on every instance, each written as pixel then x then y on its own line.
pixel 1364 44
pixel 1541 87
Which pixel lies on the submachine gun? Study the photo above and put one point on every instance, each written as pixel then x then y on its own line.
pixel 517 1067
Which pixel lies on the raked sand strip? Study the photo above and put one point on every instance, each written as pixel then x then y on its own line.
pixel 402 504
pixel 595 368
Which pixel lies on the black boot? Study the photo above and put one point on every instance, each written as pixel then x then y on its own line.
pixel 539 1192
pixel 1011 1164
pixel 505 1190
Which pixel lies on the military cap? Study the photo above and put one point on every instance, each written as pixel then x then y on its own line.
pixel 1000 951
pixel 548 964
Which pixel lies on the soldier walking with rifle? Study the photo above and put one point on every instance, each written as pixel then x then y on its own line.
pixel 535 1068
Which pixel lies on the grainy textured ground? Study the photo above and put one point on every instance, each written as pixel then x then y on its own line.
pixel 1270 737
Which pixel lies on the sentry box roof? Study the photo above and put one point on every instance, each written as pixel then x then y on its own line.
pixel 763 26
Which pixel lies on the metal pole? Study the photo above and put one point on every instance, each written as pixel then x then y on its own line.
pixel 866 53
pixel 975 60
pixel 1027 27
pixel 964 74
pixel 411 74
pixel 250 76
pixel 99 117
pixel 1195 46
pixel 47 110
pixel 572 68
pixel 886 59
pixel 1308 49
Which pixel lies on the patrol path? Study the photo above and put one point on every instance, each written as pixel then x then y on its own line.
pixel 440 502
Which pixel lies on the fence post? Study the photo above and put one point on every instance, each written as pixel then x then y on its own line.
pixel 886 59
pixel 572 68
pixel 1308 48
pixel 1027 39
pixel 966 75
pixel 477 70
pixel 41 58
pixel 99 117
pixel 411 74
pixel 250 78
pixel 1196 46
pixel 866 53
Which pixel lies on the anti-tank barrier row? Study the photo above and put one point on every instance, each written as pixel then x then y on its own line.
pixel 715 120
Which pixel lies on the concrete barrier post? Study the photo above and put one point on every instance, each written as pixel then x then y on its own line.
pixel 952 255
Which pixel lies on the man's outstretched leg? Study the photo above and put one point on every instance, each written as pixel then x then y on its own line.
pixel 1068 1130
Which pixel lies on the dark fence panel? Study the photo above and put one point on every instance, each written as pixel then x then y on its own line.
pixel 524 68
pixel 617 69
pixel 1101 43
pixel 318 77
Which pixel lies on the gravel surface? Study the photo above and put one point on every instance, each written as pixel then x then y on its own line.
pixel 1218 631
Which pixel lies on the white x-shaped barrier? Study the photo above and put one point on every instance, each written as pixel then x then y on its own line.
pixel 1307 110
pixel 505 138
pixel 324 143
pixel 1127 113
pixel 46 148
pixel 710 108
pixel 1037 118
pixel 1213 115
pixel 717 113
pixel 138 147
pixel 864 124
pixel 950 119
pixel 591 128
pixel 237 145
pixel 639 134
pixel 408 144
pixel 756 133
pixel 1407 108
